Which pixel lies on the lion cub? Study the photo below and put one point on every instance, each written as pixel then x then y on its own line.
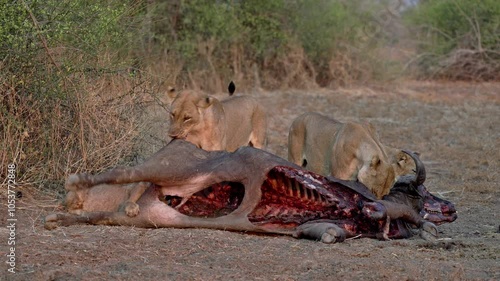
pixel 348 151
pixel 211 124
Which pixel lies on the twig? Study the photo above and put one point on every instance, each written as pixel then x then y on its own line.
pixel 475 27
pixel 441 193
pixel 354 237
pixel 444 239
pixel 42 39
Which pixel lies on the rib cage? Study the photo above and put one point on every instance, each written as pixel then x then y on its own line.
pixel 291 197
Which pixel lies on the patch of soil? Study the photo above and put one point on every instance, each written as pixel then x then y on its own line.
pixel 454 126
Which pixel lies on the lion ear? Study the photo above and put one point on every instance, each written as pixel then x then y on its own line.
pixel 168 96
pixel 170 89
pixel 374 165
pixel 402 158
pixel 231 88
pixel 205 102
pixel 171 93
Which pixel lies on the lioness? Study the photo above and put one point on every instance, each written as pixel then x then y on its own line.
pixel 348 151
pixel 211 124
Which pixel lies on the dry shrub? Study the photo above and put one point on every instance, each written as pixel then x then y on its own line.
pixel 292 69
pixel 162 71
pixel 90 131
pixel 340 70
pixel 107 121
pixel 206 49
pixel 349 66
pixel 466 64
pixel 457 39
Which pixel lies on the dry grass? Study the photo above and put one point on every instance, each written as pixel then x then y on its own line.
pixel 465 65
pixel 212 70
pixel 94 129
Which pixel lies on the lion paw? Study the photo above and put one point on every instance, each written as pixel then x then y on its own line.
pixel 131 209
pixel 75 182
pixel 428 231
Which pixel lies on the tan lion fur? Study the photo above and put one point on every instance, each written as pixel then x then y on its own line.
pixel 348 151
pixel 211 124
pixel 105 197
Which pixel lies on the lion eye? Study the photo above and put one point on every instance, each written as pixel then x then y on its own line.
pixel 187 118
pixel 172 115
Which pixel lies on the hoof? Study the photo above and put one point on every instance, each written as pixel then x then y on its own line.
pixel 333 235
pixel 383 236
pixel 428 231
pixel 322 231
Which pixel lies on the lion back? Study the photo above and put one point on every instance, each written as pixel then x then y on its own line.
pixel 246 122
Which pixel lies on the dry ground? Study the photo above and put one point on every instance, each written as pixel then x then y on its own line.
pixel 455 127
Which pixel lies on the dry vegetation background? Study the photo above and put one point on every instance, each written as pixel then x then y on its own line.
pixel 82 89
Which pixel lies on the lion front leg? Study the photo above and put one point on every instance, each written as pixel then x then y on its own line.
pixel 53 221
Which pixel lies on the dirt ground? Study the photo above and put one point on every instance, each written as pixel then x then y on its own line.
pixel 455 127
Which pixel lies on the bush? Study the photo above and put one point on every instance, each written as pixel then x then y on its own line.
pixel 265 43
pixel 458 39
pixel 213 41
pixel 333 35
pixel 61 110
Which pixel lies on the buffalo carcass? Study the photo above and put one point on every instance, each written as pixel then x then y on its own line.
pixel 247 190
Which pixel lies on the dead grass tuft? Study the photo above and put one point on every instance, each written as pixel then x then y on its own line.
pixel 466 65
pixel 92 130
